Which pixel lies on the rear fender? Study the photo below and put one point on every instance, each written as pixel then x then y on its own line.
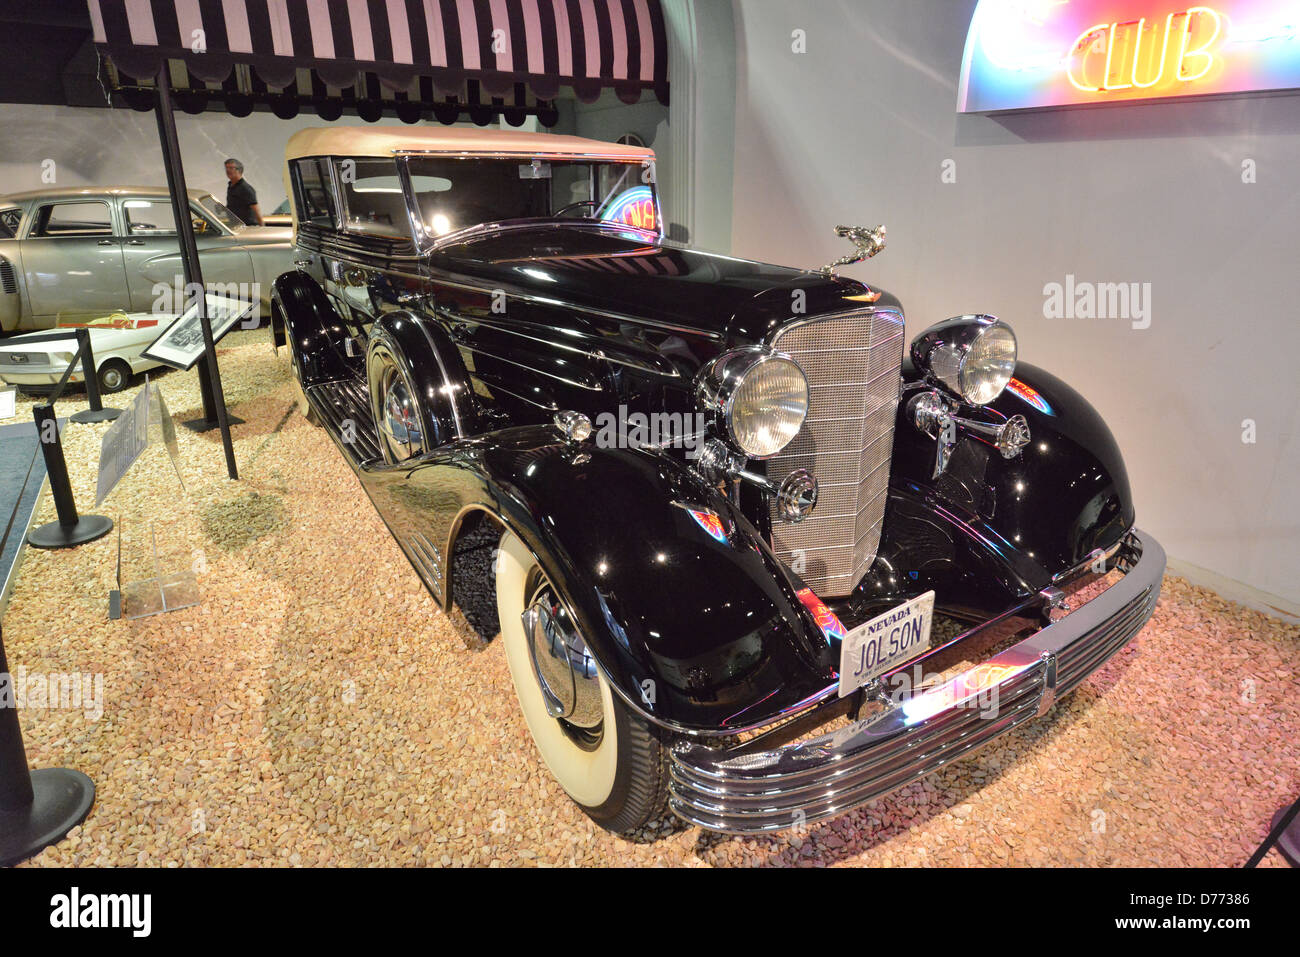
pixel 436 370
pixel 311 327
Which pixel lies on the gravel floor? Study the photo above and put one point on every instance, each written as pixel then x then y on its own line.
pixel 317 709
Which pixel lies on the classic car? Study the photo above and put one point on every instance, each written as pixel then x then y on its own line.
pixel 116 343
pixel 91 251
pixel 727 505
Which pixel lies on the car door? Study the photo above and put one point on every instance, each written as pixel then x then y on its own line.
pixel 72 261
pixel 151 250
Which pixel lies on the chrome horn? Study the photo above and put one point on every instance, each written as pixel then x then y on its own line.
pixel 868 242
pixel 933 416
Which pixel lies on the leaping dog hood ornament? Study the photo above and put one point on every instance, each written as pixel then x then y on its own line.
pixel 869 242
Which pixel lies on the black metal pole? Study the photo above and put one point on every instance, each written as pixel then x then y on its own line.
pixel 88 369
pixel 190 254
pixel 56 466
pixel 1285 835
pixel 37 808
pixel 16 780
pixel 192 272
pixel 71 528
pixel 205 393
pixel 96 412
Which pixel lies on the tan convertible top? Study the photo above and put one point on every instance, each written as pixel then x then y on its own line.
pixel 467 141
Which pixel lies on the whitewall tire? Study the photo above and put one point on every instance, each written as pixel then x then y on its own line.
pixel 615 773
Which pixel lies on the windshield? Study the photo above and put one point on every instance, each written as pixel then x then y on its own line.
pixel 454 194
pixel 10 217
pixel 219 212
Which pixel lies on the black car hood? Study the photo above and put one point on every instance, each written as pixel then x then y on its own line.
pixel 625 273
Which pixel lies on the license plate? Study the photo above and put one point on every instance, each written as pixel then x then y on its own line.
pixel 885 641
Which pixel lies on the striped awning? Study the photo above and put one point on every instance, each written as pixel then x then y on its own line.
pixel 366 97
pixel 413 48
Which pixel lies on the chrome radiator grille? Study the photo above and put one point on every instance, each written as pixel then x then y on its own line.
pixel 852 363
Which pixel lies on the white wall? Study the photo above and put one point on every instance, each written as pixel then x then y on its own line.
pixel 857 130
pixel 100 147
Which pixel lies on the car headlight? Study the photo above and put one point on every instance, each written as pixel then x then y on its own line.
pixel 974 357
pixel 758 399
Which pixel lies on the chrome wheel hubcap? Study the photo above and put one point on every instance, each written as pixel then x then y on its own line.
pixel 563 668
pixel 399 413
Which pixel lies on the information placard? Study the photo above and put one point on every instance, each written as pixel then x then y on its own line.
pixel 122 444
pixel 181 345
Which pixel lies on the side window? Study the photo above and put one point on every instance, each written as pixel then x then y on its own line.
pixel 373 197
pixel 73 220
pixel 148 217
pixel 314 187
pixel 10 218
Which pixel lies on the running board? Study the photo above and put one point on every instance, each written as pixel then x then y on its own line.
pixel 345 408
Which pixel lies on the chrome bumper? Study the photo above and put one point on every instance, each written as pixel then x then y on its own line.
pixel 833 773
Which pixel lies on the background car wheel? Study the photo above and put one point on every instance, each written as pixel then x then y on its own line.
pixel 611 763
pixel 114 376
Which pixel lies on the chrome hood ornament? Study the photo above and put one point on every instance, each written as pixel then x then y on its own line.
pixel 869 242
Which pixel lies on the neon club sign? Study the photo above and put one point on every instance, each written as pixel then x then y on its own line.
pixel 633 207
pixel 1030 54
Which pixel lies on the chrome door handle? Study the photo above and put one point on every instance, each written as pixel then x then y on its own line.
pixel 105 242
pixel 135 242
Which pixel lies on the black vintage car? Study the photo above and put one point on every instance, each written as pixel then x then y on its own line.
pixel 729 503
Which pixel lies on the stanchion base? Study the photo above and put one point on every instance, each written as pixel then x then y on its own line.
pixel 54 535
pixel 63 799
pixel 203 425
pixel 1288 845
pixel 90 415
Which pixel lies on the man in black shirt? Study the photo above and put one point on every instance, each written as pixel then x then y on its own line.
pixel 241 199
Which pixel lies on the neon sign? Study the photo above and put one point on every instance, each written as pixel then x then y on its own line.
pixel 633 207
pixel 1029 54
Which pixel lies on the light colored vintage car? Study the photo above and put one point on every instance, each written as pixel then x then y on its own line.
pixel 117 347
pixel 75 252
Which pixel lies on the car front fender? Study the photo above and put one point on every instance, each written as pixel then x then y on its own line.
pixel 693 621
pixel 989 530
